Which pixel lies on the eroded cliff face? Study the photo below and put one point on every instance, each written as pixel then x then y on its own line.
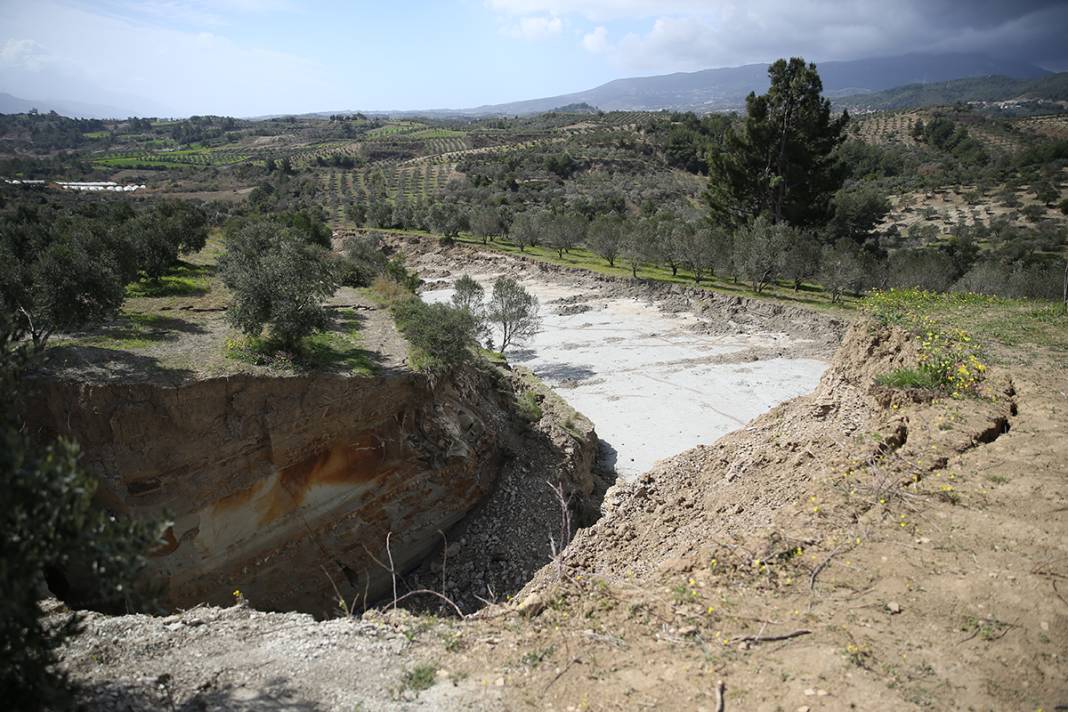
pixel 286 488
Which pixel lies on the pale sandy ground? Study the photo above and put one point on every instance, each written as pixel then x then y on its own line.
pixel 650 384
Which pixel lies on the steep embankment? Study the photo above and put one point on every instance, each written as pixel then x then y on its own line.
pixel 286 487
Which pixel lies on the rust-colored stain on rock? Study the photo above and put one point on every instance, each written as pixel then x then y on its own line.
pixel 237 499
pixel 167 546
pixel 340 463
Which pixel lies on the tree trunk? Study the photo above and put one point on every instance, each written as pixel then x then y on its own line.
pixel 1066 284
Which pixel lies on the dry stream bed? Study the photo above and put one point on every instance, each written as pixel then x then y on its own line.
pixel 655 382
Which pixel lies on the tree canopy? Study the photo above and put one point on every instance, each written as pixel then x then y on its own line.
pixel 781 163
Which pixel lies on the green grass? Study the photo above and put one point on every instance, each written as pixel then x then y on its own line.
pixel 1013 323
pixel 420 678
pixel 131 331
pixel 93 135
pixel 339 348
pixel 336 349
pixel 529 407
pixel 907 378
pixel 436 133
pixel 184 279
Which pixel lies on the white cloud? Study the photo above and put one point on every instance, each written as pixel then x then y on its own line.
pixel 602 10
pixel 23 54
pixel 536 27
pixel 596 41
pixel 193 71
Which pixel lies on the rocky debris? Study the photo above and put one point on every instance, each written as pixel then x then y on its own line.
pixel 570 309
pixel 220 659
pixel 496 550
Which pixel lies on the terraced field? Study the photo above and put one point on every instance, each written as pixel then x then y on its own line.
pixel 175 158
pixel 885 128
pixel 1050 126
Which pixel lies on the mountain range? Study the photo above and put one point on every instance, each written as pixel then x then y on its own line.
pixel 14 105
pixel 726 88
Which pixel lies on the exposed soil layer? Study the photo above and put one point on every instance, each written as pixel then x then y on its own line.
pixel 286 487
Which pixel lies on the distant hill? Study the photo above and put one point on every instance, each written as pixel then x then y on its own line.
pixel 974 89
pixel 76 109
pixel 727 87
pixel 582 108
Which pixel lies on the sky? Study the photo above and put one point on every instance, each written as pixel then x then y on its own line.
pixel 257 57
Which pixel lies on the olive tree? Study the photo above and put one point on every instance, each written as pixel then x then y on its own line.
pixel 278 280
pixel 758 251
pixel 698 250
pixel 441 334
pixel 514 311
pixel 842 268
pixel 525 230
pixel 486 223
pixel 51 523
pixel 562 232
pixel 604 238
pixel 469 296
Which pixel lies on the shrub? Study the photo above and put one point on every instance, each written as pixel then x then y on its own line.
pixel 362 261
pixel 441 335
pixel 529 407
pixel 399 273
pixel 50 524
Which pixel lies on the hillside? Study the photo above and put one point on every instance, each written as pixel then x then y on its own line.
pixel 10 104
pixel 1053 88
pixel 726 87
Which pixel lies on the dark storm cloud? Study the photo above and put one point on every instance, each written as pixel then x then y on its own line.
pixel 701 34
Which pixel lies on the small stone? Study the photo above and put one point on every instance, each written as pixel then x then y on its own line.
pixel 499 682
pixel 894 607
pixel 1044 625
pixel 803 708
pixel 810 692
pixel 822 693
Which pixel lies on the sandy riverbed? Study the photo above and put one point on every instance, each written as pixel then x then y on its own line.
pixel 651 384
